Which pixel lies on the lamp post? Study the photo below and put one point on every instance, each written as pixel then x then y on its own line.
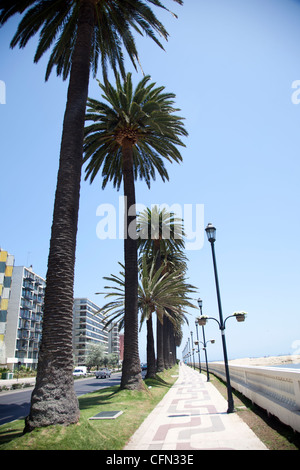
pixel 184 353
pixel 192 349
pixel 198 346
pixel 211 235
pixel 204 342
pixel 240 317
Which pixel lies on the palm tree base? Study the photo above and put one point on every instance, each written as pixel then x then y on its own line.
pixel 151 376
pixel 53 401
pixel 132 382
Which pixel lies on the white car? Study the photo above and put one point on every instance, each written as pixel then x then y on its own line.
pixel 80 370
pixel 102 373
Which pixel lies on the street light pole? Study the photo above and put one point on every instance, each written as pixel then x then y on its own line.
pixel 189 349
pixel 211 235
pixel 193 350
pixel 204 343
pixel 200 303
pixel 198 346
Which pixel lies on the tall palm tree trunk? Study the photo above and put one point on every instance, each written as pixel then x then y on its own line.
pixel 131 370
pixel 175 343
pixel 172 346
pixel 160 346
pixel 166 343
pixel 151 366
pixel 159 326
pixel 53 399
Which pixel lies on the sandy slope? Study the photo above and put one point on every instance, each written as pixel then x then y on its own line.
pixel 267 361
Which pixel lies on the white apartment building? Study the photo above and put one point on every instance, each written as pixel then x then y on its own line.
pixel 114 340
pixel 24 318
pixel 87 329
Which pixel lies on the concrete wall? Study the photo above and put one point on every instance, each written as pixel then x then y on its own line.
pixel 277 390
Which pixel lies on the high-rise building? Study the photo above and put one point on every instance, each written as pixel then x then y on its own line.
pixel 24 318
pixel 113 340
pixel 6 270
pixel 87 329
pixel 121 346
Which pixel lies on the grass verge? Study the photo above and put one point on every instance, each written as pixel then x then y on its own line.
pixel 274 434
pixel 88 434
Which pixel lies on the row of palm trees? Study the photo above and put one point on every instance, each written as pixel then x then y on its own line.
pixel 162 289
pixel 139 131
pixel 132 131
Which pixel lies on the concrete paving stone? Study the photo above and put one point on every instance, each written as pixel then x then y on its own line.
pixel 193 416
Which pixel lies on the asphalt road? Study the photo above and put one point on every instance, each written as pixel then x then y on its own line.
pixel 16 404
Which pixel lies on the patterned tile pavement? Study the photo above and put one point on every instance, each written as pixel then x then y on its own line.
pixel 193 416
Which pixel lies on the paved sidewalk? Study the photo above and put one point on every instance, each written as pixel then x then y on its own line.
pixel 22 380
pixel 193 416
pixel 9 382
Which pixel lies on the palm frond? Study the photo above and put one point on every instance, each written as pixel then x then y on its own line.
pixel 55 21
pixel 161 292
pixel 144 114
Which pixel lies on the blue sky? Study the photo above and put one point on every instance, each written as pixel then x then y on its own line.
pixel 231 64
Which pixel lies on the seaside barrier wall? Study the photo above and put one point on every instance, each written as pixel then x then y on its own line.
pixel 277 390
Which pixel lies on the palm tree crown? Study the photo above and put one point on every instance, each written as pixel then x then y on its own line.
pixel 57 22
pixel 160 231
pixel 145 117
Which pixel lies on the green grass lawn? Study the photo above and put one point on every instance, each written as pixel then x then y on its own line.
pixel 88 434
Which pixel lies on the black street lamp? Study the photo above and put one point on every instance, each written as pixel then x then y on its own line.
pixel 192 350
pixel 204 342
pixel 185 352
pixel 198 346
pixel 211 235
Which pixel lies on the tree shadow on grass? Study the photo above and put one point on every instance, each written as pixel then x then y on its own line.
pixel 100 397
pixel 154 381
pixel 7 435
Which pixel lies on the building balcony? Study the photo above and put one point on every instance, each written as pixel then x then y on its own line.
pixel 23 335
pixel 24 314
pixel 28 286
pixel 26 305
pixel 22 347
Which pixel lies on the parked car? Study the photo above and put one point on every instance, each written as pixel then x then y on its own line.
pixel 102 373
pixel 80 370
pixel 144 366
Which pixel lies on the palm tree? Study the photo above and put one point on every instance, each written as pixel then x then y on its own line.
pixel 132 132
pixel 166 294
pixel 160 232
pixel 80 33
pixel 160 236
pixel 174 261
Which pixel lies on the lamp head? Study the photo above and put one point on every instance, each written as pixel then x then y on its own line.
pixel 211 233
